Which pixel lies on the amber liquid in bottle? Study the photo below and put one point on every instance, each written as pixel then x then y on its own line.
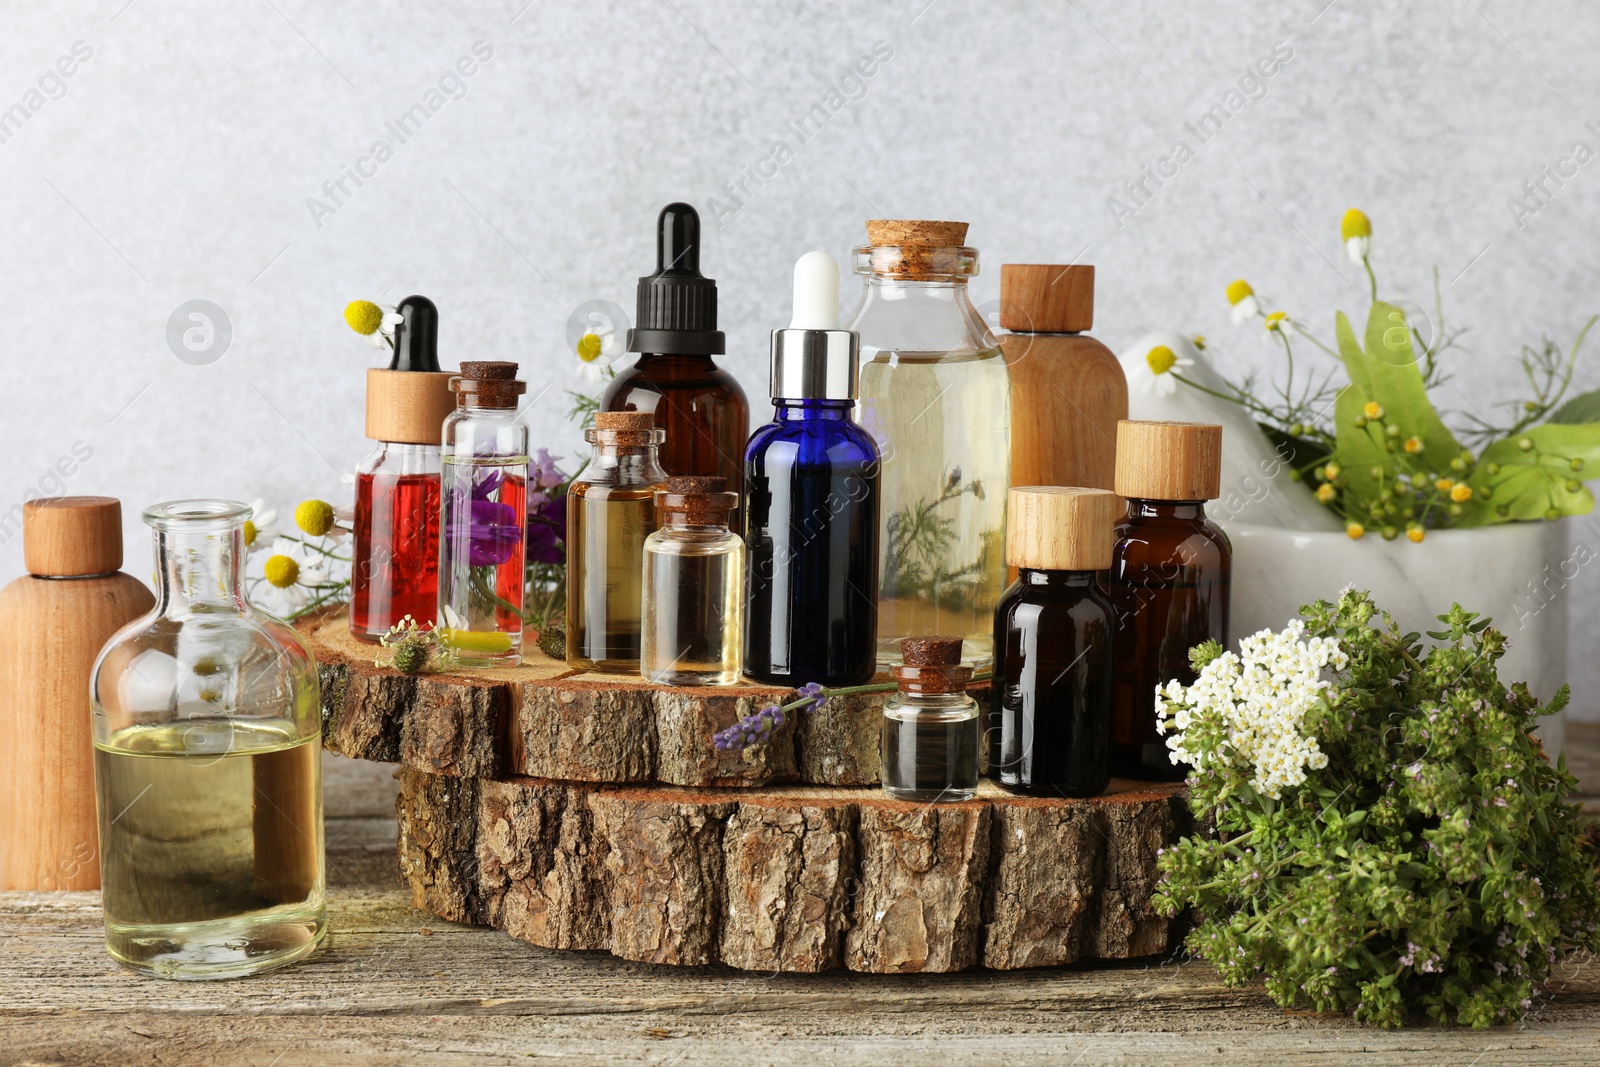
pixel 1169 582
pixel 605 557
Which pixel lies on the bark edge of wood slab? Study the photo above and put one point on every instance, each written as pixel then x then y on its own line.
pixel 794 878
pixel 544 720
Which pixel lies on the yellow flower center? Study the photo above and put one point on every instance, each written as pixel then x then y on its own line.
pixel 363 316
pixel 1444 484
pixel 1461 493
pixel 1354 224
pixel 1238 289
pixel 315 517
pixel 250 533
pixel 1373 410
pixel 1276 320
pixel 282 571
pixel 1413 444
pixel 1200 341
pixel 589 346
pixel 1355 531
pixel 1416 534
pixel 1160 359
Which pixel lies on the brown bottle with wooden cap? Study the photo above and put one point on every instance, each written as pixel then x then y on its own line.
pixel 1050 728
pixel 930 726
pixel 1169 580
pixel 53 623
pixel 1068 391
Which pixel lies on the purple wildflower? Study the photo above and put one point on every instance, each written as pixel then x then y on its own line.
pixel 547 530
pixel 758 727
pixel 493 530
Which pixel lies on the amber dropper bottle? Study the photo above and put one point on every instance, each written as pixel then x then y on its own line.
pixel 1169 581
pixel 698 404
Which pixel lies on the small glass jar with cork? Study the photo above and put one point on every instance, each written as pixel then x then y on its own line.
pixel 693 603
pixel 1050 729
pixel 611 510
pixel 929 747
pixel 1170 573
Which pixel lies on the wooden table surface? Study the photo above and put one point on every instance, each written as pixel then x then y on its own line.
pixel 396 986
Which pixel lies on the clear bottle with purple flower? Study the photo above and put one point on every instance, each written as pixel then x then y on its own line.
pixel 484 505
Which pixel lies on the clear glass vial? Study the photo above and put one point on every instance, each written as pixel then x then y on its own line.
pixel 693 607
pixel 208 773
pixel 929 747
pixel 484 518
pixel 936 396
pixel 611 509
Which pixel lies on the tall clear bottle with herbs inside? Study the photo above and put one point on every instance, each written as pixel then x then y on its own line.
pixel 484 501
pixel 610 512
pixel 693 601
pixel 936 395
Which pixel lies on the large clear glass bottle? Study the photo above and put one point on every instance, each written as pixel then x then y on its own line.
pixel 611 510
pixel 484 518
pixel 207 736
pixel 936 395
pixel 394 568
pixel 929 746
pixel 693 604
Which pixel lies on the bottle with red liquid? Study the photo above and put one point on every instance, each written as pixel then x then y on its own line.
pixel 395 567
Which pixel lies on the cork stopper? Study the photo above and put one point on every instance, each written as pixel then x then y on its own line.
pixel 916 249
pixel 624 430
pixel 1046 297
pixel 624 420
pixel 72 536
pixel 931 665
pixel 696 500
pixel 1169 460
pixel 407 406
pixel 1056 528
pixel 489 383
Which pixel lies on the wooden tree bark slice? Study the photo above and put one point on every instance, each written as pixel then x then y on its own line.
pixel 544 720
pixel 793 878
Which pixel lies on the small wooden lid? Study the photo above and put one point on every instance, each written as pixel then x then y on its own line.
pixel 1169 460
pixel 72 536
pixel 1060 528
pixel 491 383
pixel 1046 297
pixel 916 232
pixel 408 406
pixel 696 500
pixel 624 420
pixel 931 665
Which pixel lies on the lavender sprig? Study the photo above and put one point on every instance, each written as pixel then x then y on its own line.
pixel 758 727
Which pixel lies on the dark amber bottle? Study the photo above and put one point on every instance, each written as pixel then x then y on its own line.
pixel 1169 581
pixel 1053 634
pixel 699 405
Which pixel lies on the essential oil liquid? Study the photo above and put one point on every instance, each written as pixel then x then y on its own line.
pixel 481 575
pixel 211 846
pixel 942 421
pixel 694 594
pixel 605 564
pixel 930 754
pixel 395 566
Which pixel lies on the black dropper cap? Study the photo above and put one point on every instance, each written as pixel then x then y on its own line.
pixel 416 335
pixel 677 307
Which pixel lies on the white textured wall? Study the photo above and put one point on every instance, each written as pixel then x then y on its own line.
pixel 177 161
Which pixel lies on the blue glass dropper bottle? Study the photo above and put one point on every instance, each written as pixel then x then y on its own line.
pixel 811 483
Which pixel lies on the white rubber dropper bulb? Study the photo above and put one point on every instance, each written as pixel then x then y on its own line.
pixel 816 292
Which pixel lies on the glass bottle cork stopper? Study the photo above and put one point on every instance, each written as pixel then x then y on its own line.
pixel 493 383
pixel 696 501
pixel 1056 528
pixel 931 665
pixel 625 429
pixel 1046 297
pixel 916 249
pixel 72 536
pixel 1169 460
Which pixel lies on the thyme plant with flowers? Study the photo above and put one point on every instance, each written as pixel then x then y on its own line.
pixel 1363 434
pixel 1389 837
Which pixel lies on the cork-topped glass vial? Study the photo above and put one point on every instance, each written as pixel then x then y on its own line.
pixel 693 605
pixel 394 569
pixel 936 396
pixel 1169 579
pixel 484 518
pixel 1050 730
pixel 929 747
pixel 611 510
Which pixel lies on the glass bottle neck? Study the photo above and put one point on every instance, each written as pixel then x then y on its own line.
pixel 1042 579
pixel 200 570
pixel 1167 509
pixel 804 410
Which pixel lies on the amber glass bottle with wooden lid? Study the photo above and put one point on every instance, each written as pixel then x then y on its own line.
pixel 1170 573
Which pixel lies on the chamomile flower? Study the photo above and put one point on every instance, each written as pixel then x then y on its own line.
pixel 375 322
pixel 1156 376
pixel 1356 231
pixel 283 592
pixel 1276 321
pixel 261 528
pixel 1243 299
pixel 596 349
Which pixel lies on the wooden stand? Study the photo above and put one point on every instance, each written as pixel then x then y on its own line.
pixel 583 811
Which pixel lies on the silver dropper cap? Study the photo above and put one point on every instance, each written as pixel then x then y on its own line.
pixel 813 359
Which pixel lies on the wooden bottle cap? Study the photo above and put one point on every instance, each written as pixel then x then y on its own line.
pixel 923 232
pixel 1169 460
pixel 1046 297
pixel 624 420
pixel 72 536
pixel 1057 528
pixel 931 665
pixel 696 500
pixel 408 406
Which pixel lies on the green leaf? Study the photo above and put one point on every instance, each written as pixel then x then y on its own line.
pixel 1585 407
pixel 1396 382
pixel 1532 482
